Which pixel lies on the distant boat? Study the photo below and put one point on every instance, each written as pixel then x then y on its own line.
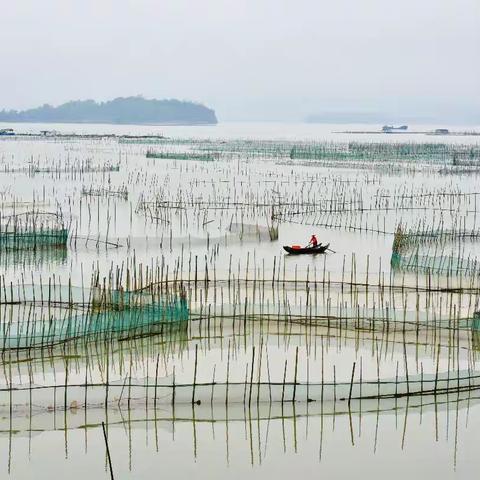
pixel 391 128
pixel 7 131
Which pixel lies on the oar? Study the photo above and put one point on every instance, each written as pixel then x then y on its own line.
pixel 330 250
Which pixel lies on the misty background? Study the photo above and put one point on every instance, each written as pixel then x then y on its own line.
pixel 331 60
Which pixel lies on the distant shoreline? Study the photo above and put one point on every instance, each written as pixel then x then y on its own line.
pixel 80 135
pixel 430 133
pixel 96 122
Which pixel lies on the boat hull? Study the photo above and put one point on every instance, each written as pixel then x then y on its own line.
pixel 307 250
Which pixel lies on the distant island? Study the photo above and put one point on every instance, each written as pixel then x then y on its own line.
pixel 128 110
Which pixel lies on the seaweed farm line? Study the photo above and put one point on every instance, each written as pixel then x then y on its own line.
pixel 151 322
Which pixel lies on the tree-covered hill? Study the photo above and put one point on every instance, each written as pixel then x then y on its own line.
pixel 129 110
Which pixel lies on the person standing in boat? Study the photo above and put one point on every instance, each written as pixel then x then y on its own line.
pixel 313 241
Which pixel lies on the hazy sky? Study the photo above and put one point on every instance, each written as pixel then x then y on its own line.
pixel 248 59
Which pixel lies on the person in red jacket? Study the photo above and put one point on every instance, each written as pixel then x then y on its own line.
pixel 313 241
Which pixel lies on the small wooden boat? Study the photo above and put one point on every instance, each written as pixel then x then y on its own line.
pixel 298 251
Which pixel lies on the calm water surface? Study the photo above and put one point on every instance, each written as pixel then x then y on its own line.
pixel 436 438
